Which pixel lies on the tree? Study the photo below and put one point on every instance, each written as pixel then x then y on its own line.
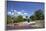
pixel 9 19
pixel 24 19
pixel 33 18
pixel 38 15
pixel 19 19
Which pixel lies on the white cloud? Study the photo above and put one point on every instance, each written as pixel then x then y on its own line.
pixel 12 13
pixel 15 10
pixel 25 13
pixel 19 12
pixel 9 13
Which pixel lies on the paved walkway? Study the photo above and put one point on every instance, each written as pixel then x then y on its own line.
pixel 18 27
pixel 25 25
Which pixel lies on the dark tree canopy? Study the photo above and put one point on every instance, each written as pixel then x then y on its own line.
pixel 38 15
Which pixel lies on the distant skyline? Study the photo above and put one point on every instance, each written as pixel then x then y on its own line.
pixel 23 8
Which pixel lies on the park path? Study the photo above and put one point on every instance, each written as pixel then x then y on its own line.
pixel 26 25
pixel 22 25
pixel 18 27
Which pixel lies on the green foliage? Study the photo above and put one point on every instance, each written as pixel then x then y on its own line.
pixel 24 19
pixel 14 20
pixel 39 15
pixel 9 19
pixel 33 18
pixel 19 19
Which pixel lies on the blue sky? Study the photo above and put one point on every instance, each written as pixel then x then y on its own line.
pixel 23 8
